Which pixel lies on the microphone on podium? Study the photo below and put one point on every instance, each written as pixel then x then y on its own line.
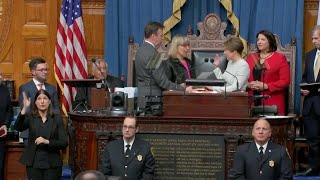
pixel 195 67
pixel 104 81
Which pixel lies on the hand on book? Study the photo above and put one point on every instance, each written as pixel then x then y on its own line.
pixel 304 92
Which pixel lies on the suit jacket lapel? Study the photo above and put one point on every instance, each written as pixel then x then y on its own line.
pixel 120 146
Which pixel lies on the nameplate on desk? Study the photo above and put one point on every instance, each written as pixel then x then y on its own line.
pixel 186 156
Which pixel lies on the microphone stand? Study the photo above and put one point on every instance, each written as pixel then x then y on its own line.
pixel 106 87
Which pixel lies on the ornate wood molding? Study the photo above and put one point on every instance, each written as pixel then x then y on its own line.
pixel 311 4
pixel 5 20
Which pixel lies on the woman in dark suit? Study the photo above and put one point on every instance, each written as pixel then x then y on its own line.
pixel 6 114
pixel 269 72
pixel 47 136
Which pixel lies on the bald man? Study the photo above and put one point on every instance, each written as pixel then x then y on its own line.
pixel 261 159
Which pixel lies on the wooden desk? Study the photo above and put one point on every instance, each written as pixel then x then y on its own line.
pixel 13 169
pixel 91 133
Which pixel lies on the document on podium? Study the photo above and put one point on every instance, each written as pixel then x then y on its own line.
pixel 312 87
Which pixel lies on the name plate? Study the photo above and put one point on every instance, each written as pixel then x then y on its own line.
pixel 184 156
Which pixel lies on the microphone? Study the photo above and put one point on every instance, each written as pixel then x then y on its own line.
pixel 104 81
pixel 195 67
pixel 234 77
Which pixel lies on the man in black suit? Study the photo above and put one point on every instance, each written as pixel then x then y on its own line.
pixel 128 157
pixel 39 70
pixel 99 71
pixel 6 113
pixel 261 159
pixel 155 79
pixel 311 104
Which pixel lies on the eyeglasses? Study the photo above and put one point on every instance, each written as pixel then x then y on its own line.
pixel 42 70
pixel 185 45
pixel 128 127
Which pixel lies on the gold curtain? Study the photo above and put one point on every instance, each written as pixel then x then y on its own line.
pixel 235 22
pixel 173 20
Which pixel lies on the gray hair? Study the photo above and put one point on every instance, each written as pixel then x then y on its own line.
pixel 97 63
pixel 314 29
pixel 96 175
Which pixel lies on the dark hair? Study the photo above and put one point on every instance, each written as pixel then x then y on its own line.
pixel 132 117
pixel 34 62
pixel 234 44
pixel 271 39
pixel 152 28
pixel 97 175
pixel 35 108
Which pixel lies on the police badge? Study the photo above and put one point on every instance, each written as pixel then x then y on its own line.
pixel 271 163
pixel 139 157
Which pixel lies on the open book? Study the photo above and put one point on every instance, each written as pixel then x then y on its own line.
pixel 312 87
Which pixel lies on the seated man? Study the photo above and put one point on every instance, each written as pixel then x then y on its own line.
pixel 99 71
pixel 128 157
pixel 261 159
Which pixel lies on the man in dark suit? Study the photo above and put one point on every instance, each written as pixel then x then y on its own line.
pixel 129 157
pixel 261 159
pixel 311 104
pixel 6 113
pixel 39 70
pixel 99 71
pixel 155 79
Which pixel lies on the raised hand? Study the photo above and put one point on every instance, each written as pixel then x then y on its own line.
pixel 216 60
pixel 26 103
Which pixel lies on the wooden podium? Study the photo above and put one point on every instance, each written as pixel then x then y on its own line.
pixel 99 97
pixel 182 104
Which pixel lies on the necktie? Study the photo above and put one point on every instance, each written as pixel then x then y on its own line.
pixel 40 85
pixel 261 152
pixel 317 67
pixel 127 150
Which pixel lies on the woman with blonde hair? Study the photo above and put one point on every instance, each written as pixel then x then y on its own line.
pixel 179 67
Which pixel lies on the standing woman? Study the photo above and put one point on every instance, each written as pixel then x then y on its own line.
pixel 269 72
pixel 179 67
pixel 47 136
pixel 6 114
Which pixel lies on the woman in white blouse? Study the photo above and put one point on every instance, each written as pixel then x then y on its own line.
pixel 237 72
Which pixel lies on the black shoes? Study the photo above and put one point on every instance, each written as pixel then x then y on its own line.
pixel 309 172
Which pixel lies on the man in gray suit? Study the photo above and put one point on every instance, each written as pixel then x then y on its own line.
pixel 128 158
pixel 261 159
pixel 39 70
pixel 151 83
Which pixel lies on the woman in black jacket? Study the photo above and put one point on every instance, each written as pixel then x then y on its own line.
pixel 47 136
pixel 179 67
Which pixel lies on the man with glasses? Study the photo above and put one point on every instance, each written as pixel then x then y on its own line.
pixel 99 71
pixel 129 158
pixel 39 70
pixel 261 159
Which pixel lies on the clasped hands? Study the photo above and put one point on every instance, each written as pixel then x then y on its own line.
pixel 257 85
pixel 41 140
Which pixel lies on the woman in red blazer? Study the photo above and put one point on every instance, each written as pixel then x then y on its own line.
pixel 269 72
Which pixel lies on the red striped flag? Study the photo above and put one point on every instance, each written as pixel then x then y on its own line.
pixel 70 51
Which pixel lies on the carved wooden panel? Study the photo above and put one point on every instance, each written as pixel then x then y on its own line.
pixel 35 12
pixel 310 20
pixel 92 132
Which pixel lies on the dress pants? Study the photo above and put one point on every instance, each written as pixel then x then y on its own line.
pixel 311 124
pixel 44 174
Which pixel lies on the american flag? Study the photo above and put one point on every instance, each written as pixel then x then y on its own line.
pixel 70 50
